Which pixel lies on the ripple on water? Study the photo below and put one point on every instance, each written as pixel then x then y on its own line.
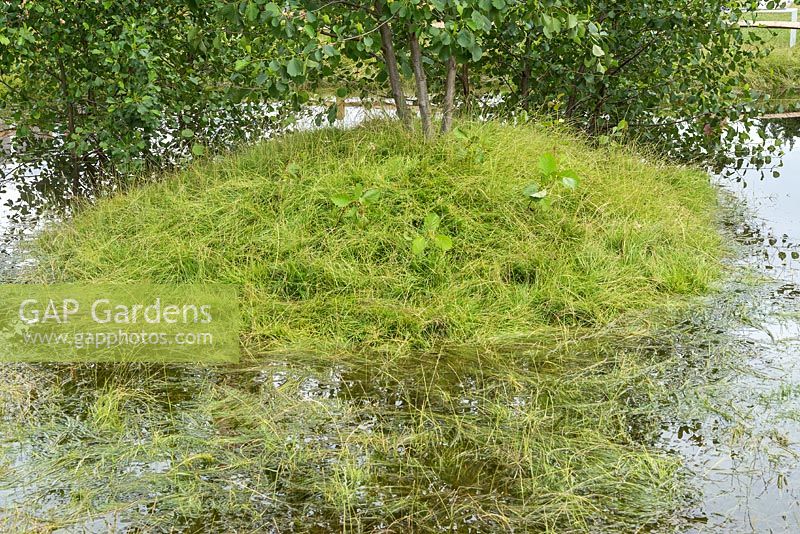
pixel 744 449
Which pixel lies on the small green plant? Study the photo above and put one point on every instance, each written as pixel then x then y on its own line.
pixel 430 235
pixel 355 204
pixel 549 172
pixel 616 133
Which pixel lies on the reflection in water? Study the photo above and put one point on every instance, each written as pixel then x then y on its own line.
pixel 28 197
pixel 744 449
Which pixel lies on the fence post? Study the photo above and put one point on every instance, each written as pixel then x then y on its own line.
pixel 793 33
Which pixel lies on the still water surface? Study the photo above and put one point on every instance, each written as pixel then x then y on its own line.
pixel 743 448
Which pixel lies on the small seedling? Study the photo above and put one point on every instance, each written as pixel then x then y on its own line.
pixel 534 193
pixel 356 203
pixel 550 172
pixel 430 235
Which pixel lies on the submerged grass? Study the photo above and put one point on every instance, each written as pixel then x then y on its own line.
pixel 509 383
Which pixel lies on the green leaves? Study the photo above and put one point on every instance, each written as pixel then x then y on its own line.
pixel 471 146
pixel 294 68
pixel 355 204
pixel 460 134
pixel 342 201
pixel 550 25
pixel 430 236
pixel 570 179
pixel 534 192
pixel 419 245
pixel 431 223
pixel 550 172
pixel 370 196
pixel 572 21
pixel 547 164
pixel 443 242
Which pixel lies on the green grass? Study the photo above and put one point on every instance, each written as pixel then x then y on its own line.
pixel 774 38
pixel 512 382
pixel 776 74
pixel 633 234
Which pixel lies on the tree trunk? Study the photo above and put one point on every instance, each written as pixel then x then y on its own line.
pixel 392 71
pixel 525 76
pixel 422 85
pixel 464 76
pixel 449 95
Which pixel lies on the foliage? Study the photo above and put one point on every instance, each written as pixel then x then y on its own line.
pixel 114 88
pixel 674 71
pixel 144 83
pixel 355 204
pixel 549 172
pixel 490 386
pixel 430 235
pixel 384 40
pixel 118 88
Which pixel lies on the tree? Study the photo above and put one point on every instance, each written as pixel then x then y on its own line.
pixel 415 39
pixel 112 88
pixel 672 71
pixel 118 86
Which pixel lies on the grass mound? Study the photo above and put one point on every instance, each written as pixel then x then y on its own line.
pixel 316 276
pixel 530 408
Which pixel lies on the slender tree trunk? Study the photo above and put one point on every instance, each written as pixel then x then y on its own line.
pixel 572 101
pixel 464 78
pixel 525 76
pixel 392 71
pixel 525 85
pixel 422 85
pixel 449 95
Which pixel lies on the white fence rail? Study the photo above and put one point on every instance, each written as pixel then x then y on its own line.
pixel 791 11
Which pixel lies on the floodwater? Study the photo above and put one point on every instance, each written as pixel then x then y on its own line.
pixel 742 448
pixel 737 426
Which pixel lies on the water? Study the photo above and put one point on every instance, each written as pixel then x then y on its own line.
pixel 743 448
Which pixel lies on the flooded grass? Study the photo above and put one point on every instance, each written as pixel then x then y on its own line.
pixel 517 382
pixel 557 438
